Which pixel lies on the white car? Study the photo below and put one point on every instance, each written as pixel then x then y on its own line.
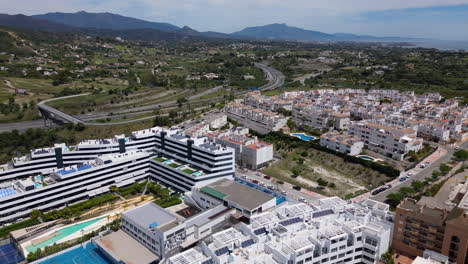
pixel 457 148
pixel 284 193
pixel 409 174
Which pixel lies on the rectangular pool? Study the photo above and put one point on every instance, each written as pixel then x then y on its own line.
pixel 62 233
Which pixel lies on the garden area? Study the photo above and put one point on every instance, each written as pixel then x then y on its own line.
pixel 308 165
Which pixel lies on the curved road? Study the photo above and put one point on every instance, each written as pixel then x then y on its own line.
pixel 274 77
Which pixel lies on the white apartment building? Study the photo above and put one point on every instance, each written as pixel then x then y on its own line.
pixel 249 152
pixel 331 231
pixel 389 141
pixel 77 183
pixel 162 232
pixel 315 117
pixel 258 120
pixel 73 174
pixel 182 162
pixel 342 143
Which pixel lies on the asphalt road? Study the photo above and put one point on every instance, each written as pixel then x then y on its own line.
pixel 274 77
pixel 420 174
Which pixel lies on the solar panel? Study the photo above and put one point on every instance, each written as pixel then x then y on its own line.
pixel 221 251
pixel 322 213
pixel 291 221
pixel 247 243
pixel 260 231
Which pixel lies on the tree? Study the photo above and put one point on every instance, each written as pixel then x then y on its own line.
pixel 173 114
pixel 461 155
pixel 406 191
pixel 444 169
pixel 436 174
pixel 394 199
pixel 417 185
pixel 295 171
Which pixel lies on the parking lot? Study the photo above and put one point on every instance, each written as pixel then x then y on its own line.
pixel 285 188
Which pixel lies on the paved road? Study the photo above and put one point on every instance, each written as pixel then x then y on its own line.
pixel 443 155
pixel 274 77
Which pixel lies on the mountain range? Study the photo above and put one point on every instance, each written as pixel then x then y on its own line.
pixel 113 25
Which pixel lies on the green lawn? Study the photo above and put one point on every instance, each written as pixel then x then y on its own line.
pixel 174 165
pixel 188 171
pixel 158 159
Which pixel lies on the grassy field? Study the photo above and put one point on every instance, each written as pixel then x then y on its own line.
pixel 324 173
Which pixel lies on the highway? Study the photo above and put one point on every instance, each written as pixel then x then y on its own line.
pixel 274 77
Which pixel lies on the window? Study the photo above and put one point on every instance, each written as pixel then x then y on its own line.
pixel 333 257
pixel 359 239
pixel 371 241
pixel 334 250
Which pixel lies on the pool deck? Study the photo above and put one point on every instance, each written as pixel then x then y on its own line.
pixel 50 234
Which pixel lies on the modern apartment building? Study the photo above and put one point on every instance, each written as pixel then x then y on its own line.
pixel 390 141
pixel 182 162
pixel 332 231
pixel 91 167
pixel 438 223
pixel 342 143
pixel 261 121
pixel 76 183
pixel 163 232
pixel 249 151
pixel 314 117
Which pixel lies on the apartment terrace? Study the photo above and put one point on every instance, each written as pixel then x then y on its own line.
pixel 180 166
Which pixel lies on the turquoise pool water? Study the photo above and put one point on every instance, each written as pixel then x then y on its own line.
pixel 62 233
pixel 364 157
pixel 197 173
pixel 88 255
pixel 303 136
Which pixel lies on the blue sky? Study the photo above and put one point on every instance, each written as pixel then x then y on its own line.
pixel 439 19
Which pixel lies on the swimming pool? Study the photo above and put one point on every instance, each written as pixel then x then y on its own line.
pixel 197 173
pixel 303 136
pixel 88 255
pixel 62 233
pixel 365 157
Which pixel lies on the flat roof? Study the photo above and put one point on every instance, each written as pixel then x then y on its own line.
pixel 237 193
pixel 150 216
pixel 125 249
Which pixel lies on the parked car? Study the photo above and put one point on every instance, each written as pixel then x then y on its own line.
pixel 457 148
pixel 262 184
pixel 267 177
pixel 409 174
pixel 427 163
pixel 422 166
pixel 244 176
pixel 402 179
pixel 255 181
pixel 388 186
pixel 258 174
pixel 301 199
pixel 297 188
pixel 375 192
pixel 284 193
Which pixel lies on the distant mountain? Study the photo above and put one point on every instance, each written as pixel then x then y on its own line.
pixel 31 23
pixel 84 19
pixel 282 32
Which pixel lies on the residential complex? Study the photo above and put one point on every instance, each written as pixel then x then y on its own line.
pixel 55 177
pixel 438 223
pixel 331 231
pixel 389 122
pixel 261 121
pixel 342 143
pixel 389 141
pixel 250 152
